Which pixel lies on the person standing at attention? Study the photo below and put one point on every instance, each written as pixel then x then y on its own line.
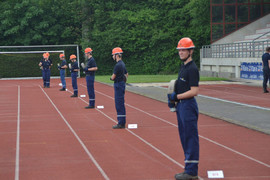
pixel 62 67
pixel 74 68
pixel 187 87
pixel 45 65
pixel 90 68
pixel 119 77
pixel 266 69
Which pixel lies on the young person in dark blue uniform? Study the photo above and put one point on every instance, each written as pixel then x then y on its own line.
pixel 266 69
pixel 62 67
pixel 74 69
pixel 90 68
pixel 45 65
pixel 186 88
pixel 119 77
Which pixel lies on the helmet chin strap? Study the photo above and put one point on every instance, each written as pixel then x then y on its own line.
pixel 184 60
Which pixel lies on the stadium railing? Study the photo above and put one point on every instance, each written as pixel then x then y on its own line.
pixel 245 49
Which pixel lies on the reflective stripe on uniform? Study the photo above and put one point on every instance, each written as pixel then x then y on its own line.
pixel 191 161
pixel 121 115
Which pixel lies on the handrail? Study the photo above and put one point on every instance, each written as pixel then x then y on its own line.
pixel 260 36
pixel 235 50
pixel 254 41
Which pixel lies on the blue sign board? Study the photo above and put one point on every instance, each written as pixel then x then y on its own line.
pixel 251 71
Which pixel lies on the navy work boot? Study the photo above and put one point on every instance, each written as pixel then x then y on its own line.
pixel 90 107
pixel 184 176
pixel 118 126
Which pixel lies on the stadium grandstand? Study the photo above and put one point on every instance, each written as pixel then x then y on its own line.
pixel 240 32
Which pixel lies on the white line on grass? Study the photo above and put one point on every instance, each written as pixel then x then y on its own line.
pixel 17 164
pixel 78 138
pixel 212 141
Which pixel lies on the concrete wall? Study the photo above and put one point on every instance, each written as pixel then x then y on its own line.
pixel 224 67
pixel 249 29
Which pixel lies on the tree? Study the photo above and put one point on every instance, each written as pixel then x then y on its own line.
pixel 147 31
pixel 30 22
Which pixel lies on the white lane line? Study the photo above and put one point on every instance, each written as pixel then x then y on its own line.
pixel 233 102
pixel 78 138
pixel 143 140
pixel 212 141
pixel 17 164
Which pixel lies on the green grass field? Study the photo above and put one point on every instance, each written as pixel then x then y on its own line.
pixel 153 78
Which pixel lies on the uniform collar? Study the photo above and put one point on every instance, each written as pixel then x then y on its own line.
pixel 188 63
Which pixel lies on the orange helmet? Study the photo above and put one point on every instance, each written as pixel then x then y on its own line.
pixel 88 50
pixel 45 55
pixel 185 43
pixel 61 55
pixel 72 56
pixel 117 50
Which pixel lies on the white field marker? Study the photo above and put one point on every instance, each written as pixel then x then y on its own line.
pixel 215 174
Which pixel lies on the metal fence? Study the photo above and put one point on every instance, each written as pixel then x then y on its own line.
pixel 253 49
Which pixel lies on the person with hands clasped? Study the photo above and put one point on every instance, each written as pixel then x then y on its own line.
pixel 119 77
pixel 186 88
pixel 74 68
pixel 90 68
pixel 45 65
pixel 62 68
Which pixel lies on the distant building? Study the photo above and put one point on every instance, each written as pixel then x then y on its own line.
pixel 229 15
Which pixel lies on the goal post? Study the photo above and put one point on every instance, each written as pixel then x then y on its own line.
pixel 22 61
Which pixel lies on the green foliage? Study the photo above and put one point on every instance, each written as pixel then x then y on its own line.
pixel 25 65
pixel 30 22
pixel 147 31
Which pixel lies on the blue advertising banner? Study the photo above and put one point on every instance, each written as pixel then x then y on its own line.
pixel 251 71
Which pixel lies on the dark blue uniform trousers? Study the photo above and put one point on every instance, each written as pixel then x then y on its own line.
pixel 119 97
pixel 62 76
pixel 74 82
pixel 46 75
pixel 187 116
pixel 90 88
pixel 266 78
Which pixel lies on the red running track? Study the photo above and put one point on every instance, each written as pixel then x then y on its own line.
pixel 59 139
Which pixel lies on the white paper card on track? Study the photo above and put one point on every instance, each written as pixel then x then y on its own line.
pixel 83 95
pixel 60 84
pixel 132 126
pixel 100 107
pixel 215 174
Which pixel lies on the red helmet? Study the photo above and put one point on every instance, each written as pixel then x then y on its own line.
pixel 61 55
pixel 45 55
pixel 117 50
pixel 185 43
pixel 72 56
pixel 88 50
